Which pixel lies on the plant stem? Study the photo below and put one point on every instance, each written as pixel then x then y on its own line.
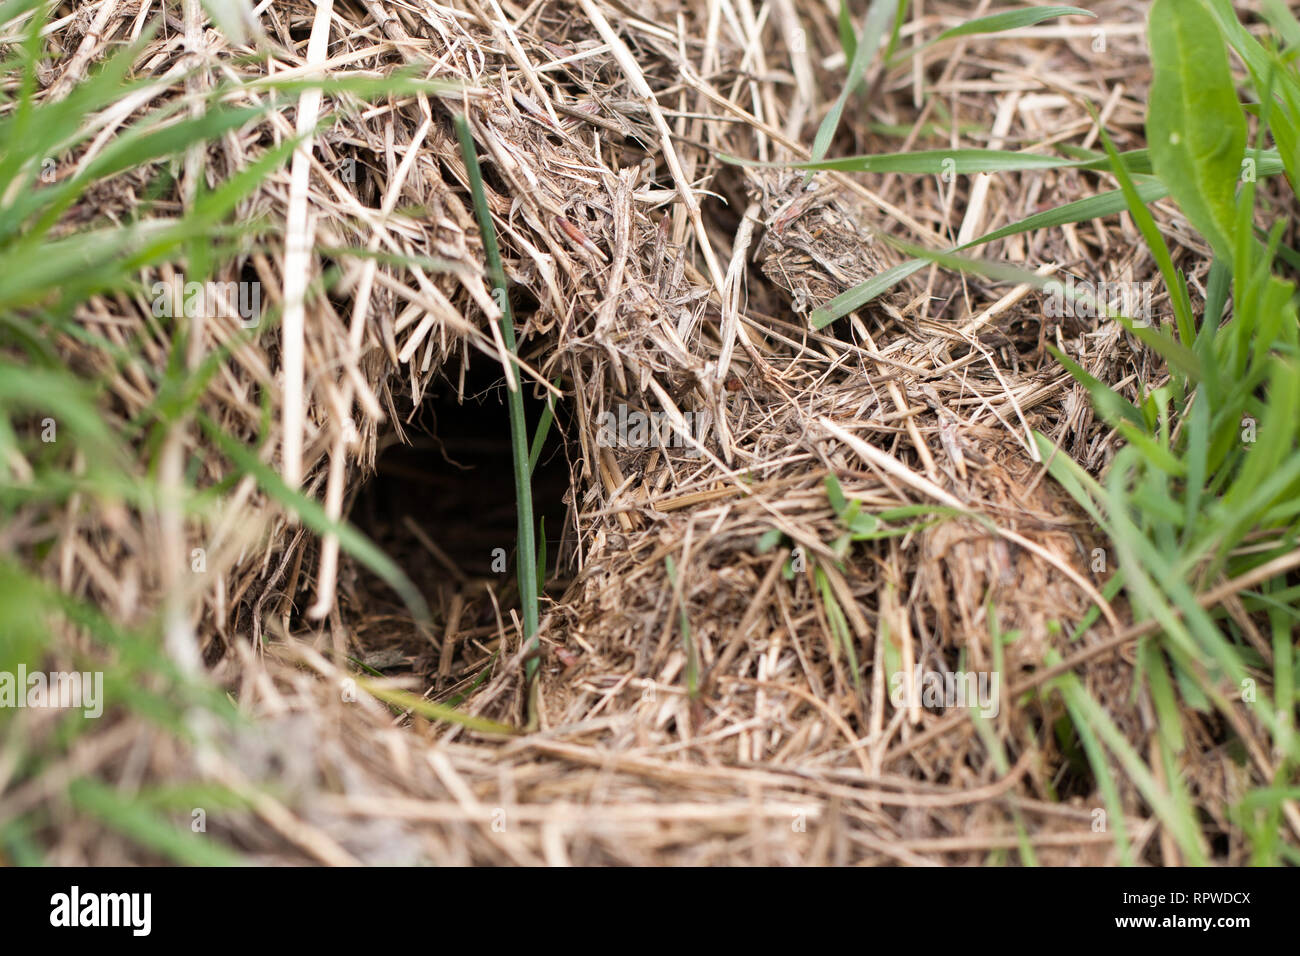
pixel 526 550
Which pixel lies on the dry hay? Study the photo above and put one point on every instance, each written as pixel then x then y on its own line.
pixel 626 294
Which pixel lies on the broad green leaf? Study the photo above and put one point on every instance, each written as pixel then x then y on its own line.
pixel 1196 130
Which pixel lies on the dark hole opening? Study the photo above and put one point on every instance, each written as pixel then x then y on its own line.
pixel 442 505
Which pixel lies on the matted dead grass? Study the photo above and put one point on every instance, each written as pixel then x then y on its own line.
pixel 651 274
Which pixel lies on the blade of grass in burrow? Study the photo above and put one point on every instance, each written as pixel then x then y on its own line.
pixel 526 546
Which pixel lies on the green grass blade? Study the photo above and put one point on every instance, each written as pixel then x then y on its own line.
pixel 1195 128
pixel 1012 20
pixel 431 710
pixel 526 546
pixel 879 16
pixel 1081 210
pixel 135 820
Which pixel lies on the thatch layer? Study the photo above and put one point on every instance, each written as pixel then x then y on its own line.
pixel 653 276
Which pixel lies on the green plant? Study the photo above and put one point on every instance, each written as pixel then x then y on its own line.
pixel 62 454
pixel 862 525
pixel 69 454
pixel 527 568
pixel 1207 487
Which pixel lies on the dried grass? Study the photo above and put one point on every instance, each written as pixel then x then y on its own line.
pixel 657 276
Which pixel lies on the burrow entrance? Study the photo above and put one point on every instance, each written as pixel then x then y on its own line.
pixel 442 505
